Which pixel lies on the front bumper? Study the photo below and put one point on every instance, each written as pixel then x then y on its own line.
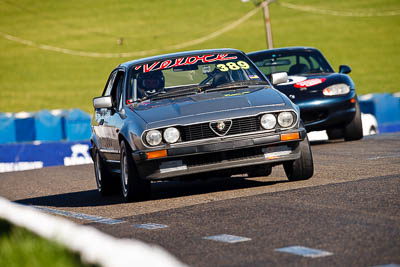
pixel 334 112
pixel 225 154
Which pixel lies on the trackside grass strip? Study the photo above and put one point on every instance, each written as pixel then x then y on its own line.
pixel 19 247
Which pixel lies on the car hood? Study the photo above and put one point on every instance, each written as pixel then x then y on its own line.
pixel 208 106
pixel 303 87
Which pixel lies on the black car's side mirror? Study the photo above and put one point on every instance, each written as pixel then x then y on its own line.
pixel 102 102
pixel 344 69
pixel 279 77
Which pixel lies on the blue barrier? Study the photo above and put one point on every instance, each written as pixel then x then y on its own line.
pixel 26 156
pixel 77 125
pixel 49 126
pixel 25 127
pixel 7 128
pixel 385 108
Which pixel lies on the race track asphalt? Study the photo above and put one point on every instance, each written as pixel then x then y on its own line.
pixel 348 212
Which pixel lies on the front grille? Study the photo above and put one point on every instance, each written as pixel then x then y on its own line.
pixel 203 131
pixel 218 157
pixel 313 116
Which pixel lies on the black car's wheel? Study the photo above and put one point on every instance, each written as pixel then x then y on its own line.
pixel 260 170
pixel 133 187
pixel 303 167
pixel 334 134
pixel 104 180
pixel 353 130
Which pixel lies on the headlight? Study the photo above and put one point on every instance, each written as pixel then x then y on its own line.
pixel 285 119
pixel 336 89
pixel 171 135
pixel 268 121
pixel 153 137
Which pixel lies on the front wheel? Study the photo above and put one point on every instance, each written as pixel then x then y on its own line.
pixel 133 187
pixel 303 167
pixel 104 180
pixel 353 130
pixel 334 134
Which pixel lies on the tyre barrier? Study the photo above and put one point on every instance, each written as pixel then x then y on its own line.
pixel 27 156
pixel 43 139
pixel 44 126
pixel 386 109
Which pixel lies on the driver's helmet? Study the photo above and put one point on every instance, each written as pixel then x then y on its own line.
pixel 151 82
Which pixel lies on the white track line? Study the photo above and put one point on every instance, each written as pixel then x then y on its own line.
pixel 93 245
pixel 343 13
pixel 213 35
pixel 305 252
pixel 80 216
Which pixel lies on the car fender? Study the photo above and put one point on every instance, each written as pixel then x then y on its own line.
pixel 94 143
pixel 289 102
pixel 132 130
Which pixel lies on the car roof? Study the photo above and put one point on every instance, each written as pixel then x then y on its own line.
pixel 284 49
pixel 128 64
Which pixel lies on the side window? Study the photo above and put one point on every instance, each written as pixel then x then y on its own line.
pixel 120 88
pixel 314 64
pixel 303 60
pixel 110 82
pixel 116 90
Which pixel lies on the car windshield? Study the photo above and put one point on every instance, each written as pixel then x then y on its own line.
pixel 198 73
pixel 294 62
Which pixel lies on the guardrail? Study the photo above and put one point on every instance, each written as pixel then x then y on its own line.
pixel 385 108
pixel 27 156
pixel 44 126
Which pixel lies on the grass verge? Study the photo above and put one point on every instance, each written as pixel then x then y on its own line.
pixel 33 78
pixel 19 247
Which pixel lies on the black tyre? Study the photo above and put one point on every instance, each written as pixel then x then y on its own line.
pixel 334 134
pixel 106 184
pixel 133 187
pixel 353 130
pixel 303 167
pixel 259 171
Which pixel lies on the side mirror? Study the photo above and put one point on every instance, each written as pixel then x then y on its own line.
pixel 102 102
pixel 279 77
pixel 344 69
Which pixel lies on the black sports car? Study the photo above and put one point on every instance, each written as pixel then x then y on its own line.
pixel 327 99
pixel 182 114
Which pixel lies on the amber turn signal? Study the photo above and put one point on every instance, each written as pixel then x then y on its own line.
pixel 290 136
pixel 157 154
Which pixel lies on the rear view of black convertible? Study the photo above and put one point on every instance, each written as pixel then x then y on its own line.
pixel 327 99
pixel 193 115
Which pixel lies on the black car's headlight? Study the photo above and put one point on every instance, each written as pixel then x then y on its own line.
pixel 285 119
pixel 153 137
pixel 268 121
pixel 171 135
pixel 336 89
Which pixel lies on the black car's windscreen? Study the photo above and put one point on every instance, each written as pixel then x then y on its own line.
pixel 181 74
pixel 292 62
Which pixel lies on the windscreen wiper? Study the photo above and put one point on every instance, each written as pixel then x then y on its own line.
pixel 236 85
pixel 195 89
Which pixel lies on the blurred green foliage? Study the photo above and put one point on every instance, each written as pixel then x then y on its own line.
pixel 19 247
